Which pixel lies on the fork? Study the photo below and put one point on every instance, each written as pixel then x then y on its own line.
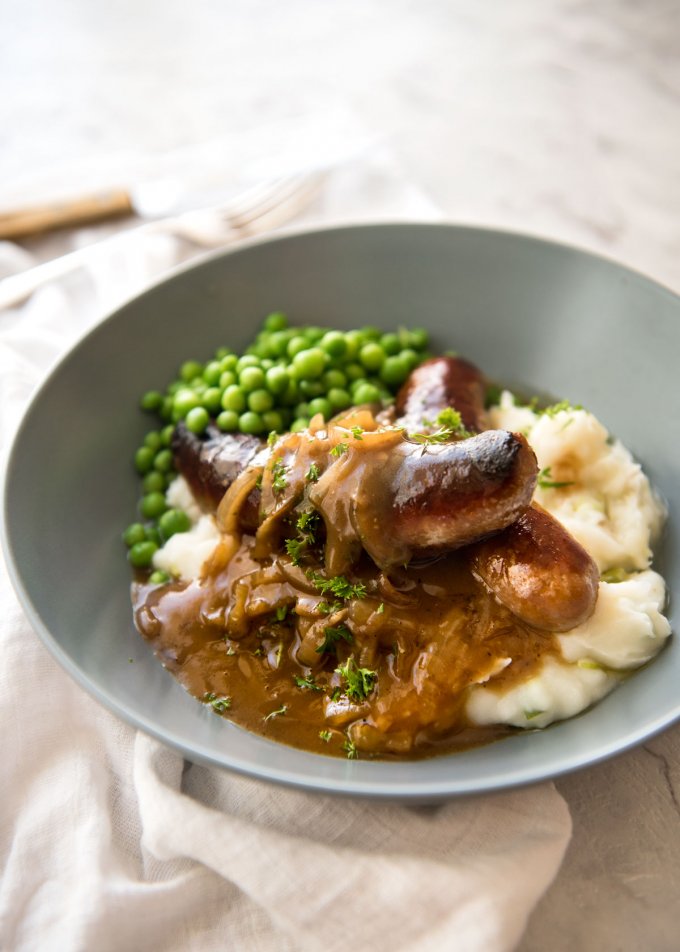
pixel 263 207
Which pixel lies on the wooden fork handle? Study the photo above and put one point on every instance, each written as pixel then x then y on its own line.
pixel 23 223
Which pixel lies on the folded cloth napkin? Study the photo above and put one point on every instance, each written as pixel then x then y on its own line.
pixel 109 840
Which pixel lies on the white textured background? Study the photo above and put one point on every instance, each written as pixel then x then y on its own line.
pixel 557 117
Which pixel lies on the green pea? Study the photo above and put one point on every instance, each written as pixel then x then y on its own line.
pixel 248 360
pixel 133 534
pixel 190 369
pixel 354 371
pixel 277 379
pixel 321 405
pixel 141 554
pixel 153 440
pixel 312 388
pixel 251 378
pixel 212 372
pixel 152 534
pixel 260 401
pixel 278 343
pixel 339 399
pixel 276 322
pixel 273 420
pixel 227 378
pixel 390 343
pixel 301 410
pixel 370 333
pixel 173 521
pixel 184 401
pixel 300 424
pixel 144 458
pixel 166 435
pixel 334 378
pixel 227 421
pixel 394 371
pixel 152 400
pixel 228 362
pixel 153 482
pixel 222 352
pixel 165 411
pixel 372 356
pixel 163 461
pixel 291 395
pixel 251 422
pixel 159 577
pixel 419 338
pixel 152 505
pixel 212 400
pixel 234 398
pixel 411 357
pixel 367 393
pixel 197 420
pixel 354 340
pixel 334 344
pixel 309 364
pixel 296 345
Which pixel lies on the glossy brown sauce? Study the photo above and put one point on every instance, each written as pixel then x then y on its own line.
pixel 438 632
pixel 259 639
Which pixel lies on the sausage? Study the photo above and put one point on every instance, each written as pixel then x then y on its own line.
pixel 211 465
pixel 452 494
pixel 539 572
pixel 439 383
pixel 534 566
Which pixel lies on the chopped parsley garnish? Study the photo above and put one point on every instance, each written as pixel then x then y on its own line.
pixel 350 749
pixel 357 432
pixel 329 608
pixel 381 608
pixel 308 522
pixel 338 586
pixel 546 482
pixel 325 736
pixel 360 681
pixel 277 713
pixel 530 715
pixel 339 449
pixel 295 548
pixel 614 575
pixel 312 473
pixel 272 438
pixel 307 684
pixel 281 612
pixel 556 408
pixel 279 478
pixel 452 420
pixel 217 703
pixel 442 435
pixel 331 636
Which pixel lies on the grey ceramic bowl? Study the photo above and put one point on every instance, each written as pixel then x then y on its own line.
pixel 547 318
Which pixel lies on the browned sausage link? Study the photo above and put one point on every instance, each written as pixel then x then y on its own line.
pixel 452 494
pixel 438 383
pixel 539 572
pixel 211 465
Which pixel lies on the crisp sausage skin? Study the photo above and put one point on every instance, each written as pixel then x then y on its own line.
pixel 539 572
pixel 438 383
pixel 434 499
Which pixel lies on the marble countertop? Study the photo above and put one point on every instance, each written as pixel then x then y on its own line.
pixel 556 117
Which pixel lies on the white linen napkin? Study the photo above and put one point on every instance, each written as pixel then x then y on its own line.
pixel 109 840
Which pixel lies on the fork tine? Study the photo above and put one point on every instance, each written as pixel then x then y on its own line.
pixel 278 205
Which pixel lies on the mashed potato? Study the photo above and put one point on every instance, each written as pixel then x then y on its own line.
pixel 607 504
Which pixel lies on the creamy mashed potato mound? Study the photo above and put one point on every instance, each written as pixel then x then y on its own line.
pixel 608 506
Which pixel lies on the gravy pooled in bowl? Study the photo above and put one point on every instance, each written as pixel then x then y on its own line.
pixel 394 583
